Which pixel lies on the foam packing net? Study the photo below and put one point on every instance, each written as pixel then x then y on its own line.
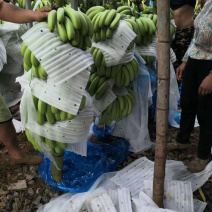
pixel 60 61
pixel 72 131
pixel 117 46
pixel 3 55
pixel 66 97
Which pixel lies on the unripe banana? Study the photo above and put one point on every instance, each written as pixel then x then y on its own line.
pixel 110 17
pixel 62 32
pixel 42 72
pixel 60 15
pixel 42 107
pixel 23 48
pixel 34 61
pixel 27 57
pixel 52 20
pixel 69 28
pixel 74 16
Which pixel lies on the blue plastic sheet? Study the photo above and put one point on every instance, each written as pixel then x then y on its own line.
pixel 102 132
pixel 79 172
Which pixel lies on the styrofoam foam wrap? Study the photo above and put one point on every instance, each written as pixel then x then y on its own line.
pixel 106 99
pixel 78 148
pixel 117 46
pixel 60 61
pixel 102 203
pixel 8 27
pixel 134 175
pixel 71 131
pixel 111 61
pixel 66 97
pixel 178 195
pixel 3 55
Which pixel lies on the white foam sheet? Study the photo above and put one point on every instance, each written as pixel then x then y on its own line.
pixel 66 97
pixel 117 46
pixel 152 209
pixel 18 126
pixel 8 27
pixel 178 195
pixel 102 202
pixel 199 206
pixel 134 175
pixel 60 61
pixel 79 148
pixel 111 61
pixel 100 105
pixel 71 131
pixel 3 55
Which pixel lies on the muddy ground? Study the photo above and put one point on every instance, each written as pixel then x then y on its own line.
pixel 38 192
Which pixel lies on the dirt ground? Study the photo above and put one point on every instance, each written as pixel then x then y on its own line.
pixel 38 192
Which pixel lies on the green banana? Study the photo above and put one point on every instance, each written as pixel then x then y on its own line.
pixel 94 9
pixel 93 86
pixel 26 68
pixel 90 25
pixel 84 25
pixel 23 48
pixel 109 33
pixel 60 15
pixel 52 19
pixel 42 72
pixel 70 116
pixel 103 34
pixel 69 28
pixel 73 15
pixel 50 143
pixel 63 115
pixel 35 72
pixel 57 117
pixel 101 90
pixel 40 118
pixel 122 8
pixel 121 103
pixel 62 32
pixel 42 107
pixel 34 61
pixel 115 21
pixel 50 116
pixel 102 18
pixel 111 15
pixel 62 145
pixel 54 110
pixel 35 100
pixel 83 103
pixel 27 57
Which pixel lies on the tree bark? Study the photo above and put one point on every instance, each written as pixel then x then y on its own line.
pixel 163 11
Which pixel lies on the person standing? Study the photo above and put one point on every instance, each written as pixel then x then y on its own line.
pixel 183 12
pixel 196 97
pixel 8 137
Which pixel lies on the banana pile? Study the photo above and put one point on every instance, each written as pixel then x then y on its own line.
pixel 31 62
pixel 57 148
pixel 73 27
pixel 123 73
pixel 104 22
pixel 52 114
pixel 148 59
pixel 119 108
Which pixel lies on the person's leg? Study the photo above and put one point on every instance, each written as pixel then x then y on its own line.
pixel 9 139
pixel 189 99
pixel 204 115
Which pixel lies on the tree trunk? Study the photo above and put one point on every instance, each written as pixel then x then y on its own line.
pixel 74 4
pixel 163 11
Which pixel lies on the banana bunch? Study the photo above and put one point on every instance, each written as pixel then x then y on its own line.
pixel 148 59
pixel 43 3
pixel 57 148
pixel 31 62
pixel 51 114
pixel 125 73
pixel 147 10
pixel 172 30
pixel 98 57
pixel 119 108
pixel 125 10
pixel 153 17
pixel 2 22
pixel 73 26
pixel 104 22
pixel 97 85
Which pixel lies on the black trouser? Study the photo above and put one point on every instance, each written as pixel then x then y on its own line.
pixel 193 104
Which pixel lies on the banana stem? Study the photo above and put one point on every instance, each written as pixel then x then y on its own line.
pixel 57 174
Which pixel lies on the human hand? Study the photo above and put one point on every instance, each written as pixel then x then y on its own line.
pixel 41 14
pixel 206 86
pixel 179 71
